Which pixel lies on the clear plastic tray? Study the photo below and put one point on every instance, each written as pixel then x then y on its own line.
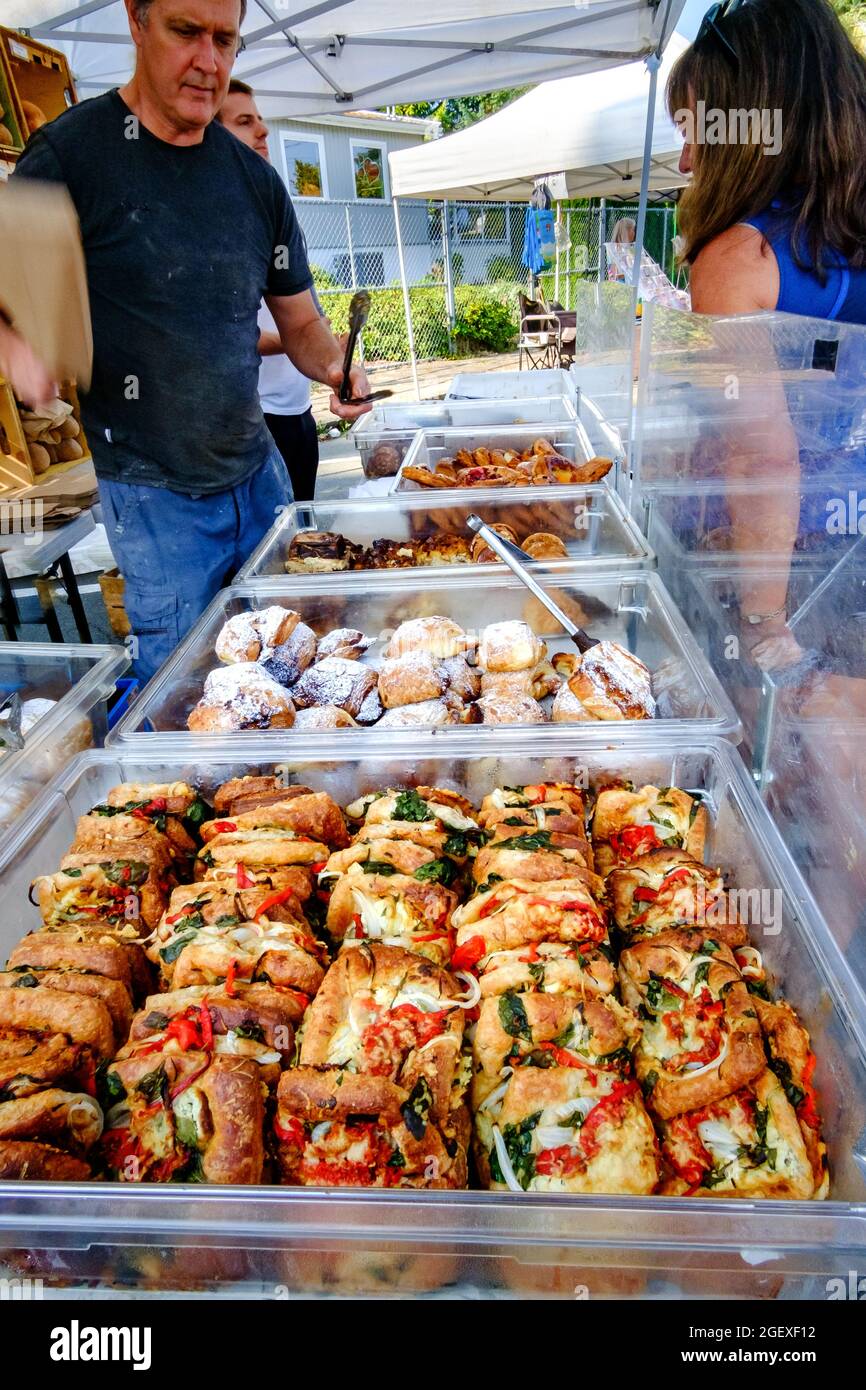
pixel 281 1242
pixel 429 446
pixel 80 679
pixel 592 522
pixel 493 386
pixel 395 425
pixel 634 610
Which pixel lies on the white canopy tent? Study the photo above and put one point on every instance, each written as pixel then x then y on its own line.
pixel 590 127
pixel 336 55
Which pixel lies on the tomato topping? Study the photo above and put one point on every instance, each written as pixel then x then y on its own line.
pixel 224 827
pixel 561 1162
pixel 491 906
pixel 119 1145
pixel 610 1108
pixel 469 953
pixel 292 1132
pixel 635 840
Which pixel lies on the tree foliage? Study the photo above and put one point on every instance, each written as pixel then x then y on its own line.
pixel 455 113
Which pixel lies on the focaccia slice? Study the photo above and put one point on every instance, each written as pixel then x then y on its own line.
pixel 792 1060
pixel 538 798
pixel 344 1129
pixel 283 954
pixel 68 1119
pixel 747 1144
pixel 582 968
pixel 315 816
pixel 46 1012
pixel 566 1130
pixel 115 996
pixel 545 1030
pixel 29 1063
pixel 241 1020
pixel 395 910
pixel 127 888
pixel 383 1011
pixel 190 1117
pixel 266 846
pixel 517 912
pixel 668 889
pixel 701 1038
pixel 627 824
pixel 540 855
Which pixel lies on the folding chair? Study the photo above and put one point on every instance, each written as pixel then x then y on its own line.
pixel 540 335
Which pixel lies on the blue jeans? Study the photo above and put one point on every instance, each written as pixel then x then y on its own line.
pixel 176 551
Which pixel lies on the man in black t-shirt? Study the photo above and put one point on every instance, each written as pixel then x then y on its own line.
pixel 184 231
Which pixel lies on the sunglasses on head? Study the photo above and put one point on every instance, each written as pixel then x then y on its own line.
pixel 710 28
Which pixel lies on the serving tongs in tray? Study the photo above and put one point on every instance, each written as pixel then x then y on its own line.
pixel 359 312
pixel 516 559
pixel 606 652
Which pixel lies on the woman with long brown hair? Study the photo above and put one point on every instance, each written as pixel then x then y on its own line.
pixel 775 214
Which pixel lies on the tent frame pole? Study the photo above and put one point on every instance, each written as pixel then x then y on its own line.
pixel 407 307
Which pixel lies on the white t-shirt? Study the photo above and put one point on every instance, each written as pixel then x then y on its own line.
pixel 283 390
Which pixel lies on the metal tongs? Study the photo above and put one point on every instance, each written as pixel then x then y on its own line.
pixel 515 559
pixel 359 312
pixel 11 737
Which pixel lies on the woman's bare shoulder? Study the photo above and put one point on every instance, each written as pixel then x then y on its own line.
pixel 735 273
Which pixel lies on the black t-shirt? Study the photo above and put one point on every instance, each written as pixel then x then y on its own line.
pixel 181 242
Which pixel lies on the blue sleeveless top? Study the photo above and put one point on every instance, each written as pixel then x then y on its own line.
pixel 842 297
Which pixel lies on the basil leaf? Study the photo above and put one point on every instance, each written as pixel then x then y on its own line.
pixel 410 806
pixel 153 1085
pixel 437 871
pixel 377 866
pixel 512 1016
pixel 416 1109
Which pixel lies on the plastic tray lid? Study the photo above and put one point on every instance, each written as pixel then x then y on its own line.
pixel 544 381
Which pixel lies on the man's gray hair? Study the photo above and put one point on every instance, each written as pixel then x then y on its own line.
pixel 141 8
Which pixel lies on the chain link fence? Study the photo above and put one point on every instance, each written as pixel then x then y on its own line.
pixel 464 268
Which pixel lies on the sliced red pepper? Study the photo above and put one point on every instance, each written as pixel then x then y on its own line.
pixel 491 906
pixel 469 953
pixel 206 1026
pixel 430 936
pixel 610 1107
pixel 359 925
pixel 273 900
pixel 223 827
pixel 182 1086
pixel 564 1058
pixel 645 895
pixel 317 868
pixel 323 894
pixel 243 878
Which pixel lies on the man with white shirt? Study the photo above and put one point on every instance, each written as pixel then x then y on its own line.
pixel 284 392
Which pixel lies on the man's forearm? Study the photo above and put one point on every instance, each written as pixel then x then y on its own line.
pixel 313 349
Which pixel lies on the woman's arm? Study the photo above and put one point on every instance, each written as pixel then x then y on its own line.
pixel 737 273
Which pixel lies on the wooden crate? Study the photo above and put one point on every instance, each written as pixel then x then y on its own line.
pixel 16 466
pixel 34 73
pixel 12 134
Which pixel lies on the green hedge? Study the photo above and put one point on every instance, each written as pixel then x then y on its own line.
pixel 486 319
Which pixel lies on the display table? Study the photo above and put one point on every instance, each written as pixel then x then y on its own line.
pixel 48 559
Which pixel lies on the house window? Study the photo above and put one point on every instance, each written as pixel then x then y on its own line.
pixel 369 269
pixel 304 160
pixel 368 167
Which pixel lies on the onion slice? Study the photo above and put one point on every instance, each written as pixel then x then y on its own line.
pixel 691 1070
pixel 505 1161
pixel 473 995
